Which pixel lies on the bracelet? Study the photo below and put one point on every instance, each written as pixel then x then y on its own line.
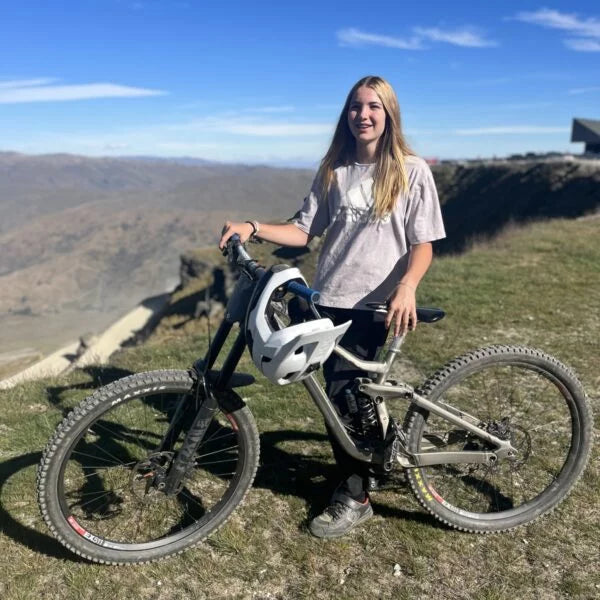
pixel 410 287
pixel 255 227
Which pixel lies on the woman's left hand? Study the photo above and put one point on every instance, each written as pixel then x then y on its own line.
pixel 402 309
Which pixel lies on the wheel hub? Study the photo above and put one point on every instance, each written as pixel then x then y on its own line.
pixel 148 477
pixel 500 429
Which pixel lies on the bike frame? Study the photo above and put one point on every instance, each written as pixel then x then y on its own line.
pixel 212 384
pixel 382 389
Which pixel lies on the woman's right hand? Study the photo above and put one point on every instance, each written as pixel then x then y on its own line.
pixel 244 230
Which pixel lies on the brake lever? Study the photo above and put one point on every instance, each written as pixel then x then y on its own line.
pixel 314 310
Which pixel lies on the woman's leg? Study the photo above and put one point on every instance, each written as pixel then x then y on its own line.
pixel 364 338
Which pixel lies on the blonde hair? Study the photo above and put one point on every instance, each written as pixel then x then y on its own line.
pixel 390 172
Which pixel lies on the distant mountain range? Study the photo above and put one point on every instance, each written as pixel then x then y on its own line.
pixel 99 234
pixel 180 160
pixel 93 236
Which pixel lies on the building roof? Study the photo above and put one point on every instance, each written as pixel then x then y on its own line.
pixel 585 130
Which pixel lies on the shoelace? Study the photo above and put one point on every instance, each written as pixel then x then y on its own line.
pixel 336 510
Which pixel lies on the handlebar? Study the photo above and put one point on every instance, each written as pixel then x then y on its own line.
pixel 310 295
pixel 234 243
pixel 238 255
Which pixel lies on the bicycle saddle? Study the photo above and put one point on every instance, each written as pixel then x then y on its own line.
pixel 424 315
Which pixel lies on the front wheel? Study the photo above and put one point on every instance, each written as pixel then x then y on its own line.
pixel 99 479
pixel 518 394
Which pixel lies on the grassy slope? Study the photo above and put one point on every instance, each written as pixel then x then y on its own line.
pixel 538 285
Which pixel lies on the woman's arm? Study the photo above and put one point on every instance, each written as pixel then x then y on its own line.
pixel 286 234
pixel 403 305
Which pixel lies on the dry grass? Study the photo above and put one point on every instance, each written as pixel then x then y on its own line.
pixel 538 285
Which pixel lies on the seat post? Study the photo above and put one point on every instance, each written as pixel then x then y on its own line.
pixel 392 351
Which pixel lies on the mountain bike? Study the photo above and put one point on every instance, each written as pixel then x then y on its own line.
pixel 155 462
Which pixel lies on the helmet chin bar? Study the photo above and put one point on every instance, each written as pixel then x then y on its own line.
pixel 292 353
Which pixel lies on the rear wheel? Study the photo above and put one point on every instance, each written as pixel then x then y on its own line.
pixel 99 481
pixel 518 394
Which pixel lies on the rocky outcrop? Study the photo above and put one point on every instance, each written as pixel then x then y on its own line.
pixel 193 267
pixel 479 200
pixel 209 267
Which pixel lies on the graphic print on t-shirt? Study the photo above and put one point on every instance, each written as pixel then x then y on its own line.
pixel 357 203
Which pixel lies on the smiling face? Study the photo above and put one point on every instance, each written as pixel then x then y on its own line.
pixel 366 119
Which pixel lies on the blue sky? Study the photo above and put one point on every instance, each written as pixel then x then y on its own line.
pixel 264 82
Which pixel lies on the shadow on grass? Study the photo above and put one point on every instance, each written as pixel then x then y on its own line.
pixel 283 472
pixel 311 477
pixel 100 376
pixel 11 527
pixel 314 480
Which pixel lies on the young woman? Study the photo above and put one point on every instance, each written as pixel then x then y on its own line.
pixel 379 205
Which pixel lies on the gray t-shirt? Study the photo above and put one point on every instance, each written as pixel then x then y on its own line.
pixel 363 258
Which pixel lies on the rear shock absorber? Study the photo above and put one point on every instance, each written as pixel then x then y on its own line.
pixel 367 415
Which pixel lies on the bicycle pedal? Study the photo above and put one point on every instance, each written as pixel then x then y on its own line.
pixel 372 484
pixel 386 482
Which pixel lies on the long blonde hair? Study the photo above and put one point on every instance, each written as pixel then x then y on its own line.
pixel 390 172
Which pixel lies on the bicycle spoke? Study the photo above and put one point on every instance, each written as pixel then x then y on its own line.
pixel 510 401
pixel 217 451
pixel 111 494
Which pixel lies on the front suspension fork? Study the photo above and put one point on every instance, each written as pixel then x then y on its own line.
pixel 208 406
pixel 185 457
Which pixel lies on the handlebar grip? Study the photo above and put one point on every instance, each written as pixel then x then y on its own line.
pixel 230 244
pixel 303 291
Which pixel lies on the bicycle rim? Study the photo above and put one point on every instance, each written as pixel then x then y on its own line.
pixel 106 487
pixel 515 399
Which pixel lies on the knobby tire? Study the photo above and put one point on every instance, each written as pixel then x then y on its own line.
pixel 528 397
pixel 95 478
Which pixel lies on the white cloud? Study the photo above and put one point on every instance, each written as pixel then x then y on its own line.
pixel 554 19
pixel 249 138
pixel 355 37
pixel 256 127
pixel 113 147
pixel 36 92
pixel 221 125
pixel 583 45
pixel 587 90
pixel 467 37
pixel 190 148
pixel 250 109
pixel 20 83
pixel 512 130
pixel 278 129
pixel 587 30
pixel 181 139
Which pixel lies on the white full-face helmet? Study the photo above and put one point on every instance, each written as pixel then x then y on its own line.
pixel 286 354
